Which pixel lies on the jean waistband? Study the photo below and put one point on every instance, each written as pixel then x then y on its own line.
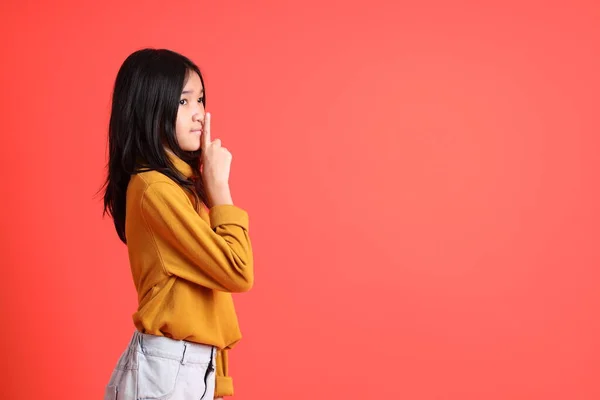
pixel 180 350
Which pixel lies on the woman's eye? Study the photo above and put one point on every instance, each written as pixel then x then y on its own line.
pixel 201 100
pixel 183 102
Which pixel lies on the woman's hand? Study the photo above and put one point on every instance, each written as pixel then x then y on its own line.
pixel 216 164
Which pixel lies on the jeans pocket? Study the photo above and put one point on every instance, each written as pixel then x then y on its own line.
pixel 157 376
pixel 111 392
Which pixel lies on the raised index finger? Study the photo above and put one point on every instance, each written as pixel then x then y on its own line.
pixel 206 131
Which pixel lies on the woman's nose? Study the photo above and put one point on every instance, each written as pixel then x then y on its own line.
pixel 199 116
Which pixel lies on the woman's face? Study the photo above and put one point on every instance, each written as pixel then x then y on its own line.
pixel 190 114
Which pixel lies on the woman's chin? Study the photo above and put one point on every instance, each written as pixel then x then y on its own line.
pixel 191 147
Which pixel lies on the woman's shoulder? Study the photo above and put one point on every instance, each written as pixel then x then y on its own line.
pixel 147 182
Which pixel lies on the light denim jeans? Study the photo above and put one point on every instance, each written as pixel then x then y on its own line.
pixel 159 368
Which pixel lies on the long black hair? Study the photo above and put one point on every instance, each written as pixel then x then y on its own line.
pixel 145 101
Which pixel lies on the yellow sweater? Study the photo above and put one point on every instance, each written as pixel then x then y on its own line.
pixel 185 264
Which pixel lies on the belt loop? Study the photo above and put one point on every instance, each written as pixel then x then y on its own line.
pixel 139 338
pixel 183 355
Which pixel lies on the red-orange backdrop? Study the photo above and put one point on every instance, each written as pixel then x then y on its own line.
pixel 422 182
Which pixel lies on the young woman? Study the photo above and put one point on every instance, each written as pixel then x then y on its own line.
pixel 168 193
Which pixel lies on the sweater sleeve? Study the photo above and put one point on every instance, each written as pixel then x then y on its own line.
pixel 219 255
pixel 223 382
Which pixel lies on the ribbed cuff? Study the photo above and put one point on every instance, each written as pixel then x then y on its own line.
pixel 227 214
pixel 223 386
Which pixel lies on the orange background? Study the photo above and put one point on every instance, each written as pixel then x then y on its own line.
pixel 423 184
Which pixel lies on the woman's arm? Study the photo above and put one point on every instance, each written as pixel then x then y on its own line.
pixel 216 255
